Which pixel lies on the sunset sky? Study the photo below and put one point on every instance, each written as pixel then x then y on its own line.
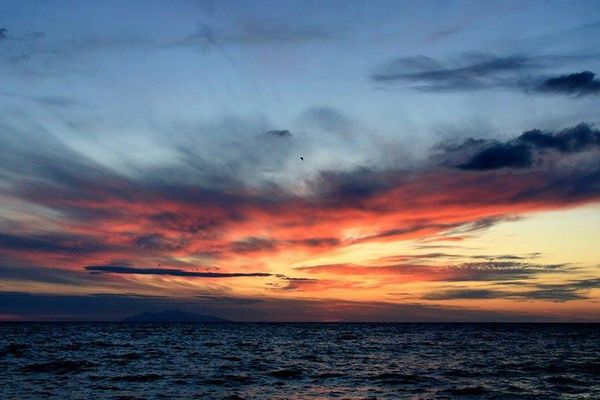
pixel 300 161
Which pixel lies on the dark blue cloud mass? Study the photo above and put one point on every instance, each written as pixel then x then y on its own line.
pixel 579 84
pixel 526 149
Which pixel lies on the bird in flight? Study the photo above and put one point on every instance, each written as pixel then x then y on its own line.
pixel 302 158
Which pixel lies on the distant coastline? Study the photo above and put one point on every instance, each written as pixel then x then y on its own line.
pixel 174 316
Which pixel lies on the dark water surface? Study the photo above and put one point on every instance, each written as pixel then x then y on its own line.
pixel 299 361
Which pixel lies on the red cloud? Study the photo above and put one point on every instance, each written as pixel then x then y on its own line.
pixel 119 220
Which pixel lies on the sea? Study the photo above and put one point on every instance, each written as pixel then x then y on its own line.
pixel 299 361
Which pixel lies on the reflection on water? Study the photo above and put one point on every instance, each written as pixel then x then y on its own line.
pixel 299 361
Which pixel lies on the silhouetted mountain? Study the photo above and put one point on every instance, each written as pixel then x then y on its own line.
pixel 174 316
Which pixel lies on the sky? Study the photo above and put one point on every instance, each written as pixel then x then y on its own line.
pixel 300 160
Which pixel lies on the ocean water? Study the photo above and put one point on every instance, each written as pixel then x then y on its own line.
pixel 299 361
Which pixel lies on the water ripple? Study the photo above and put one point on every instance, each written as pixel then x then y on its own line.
pixel 299 361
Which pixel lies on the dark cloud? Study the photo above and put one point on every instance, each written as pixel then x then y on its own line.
pixel 451 256
pixel 458 294
pixel 328 119
pixel 578 84
pixel 444 33
pixel 53 243
pixel 480 71
pixel 574 290
pixel 500 155
pixel 59 278
pixel 505 257
pixel 353 186
pixel 457 227
pixel 295 283
pixel 28 37
pixel 408 230
pixel 282 133
pixel 121 269
pixel 316 242
pixel 524 151
pixel 569 140
pixel 44 275
pixel 471 71
pixel 557 294
pixel 157 242
pixel 427 256
pixel 260 244
pixel 291 279
pixel 253 244
pixel 502 270
pixel 483 224
pixel 187 223
pixel 491 270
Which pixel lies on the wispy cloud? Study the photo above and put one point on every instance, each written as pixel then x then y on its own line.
pixel 481 71
pixel 37 47
pixel 470 271
pixel 573 290
pixel 257 32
